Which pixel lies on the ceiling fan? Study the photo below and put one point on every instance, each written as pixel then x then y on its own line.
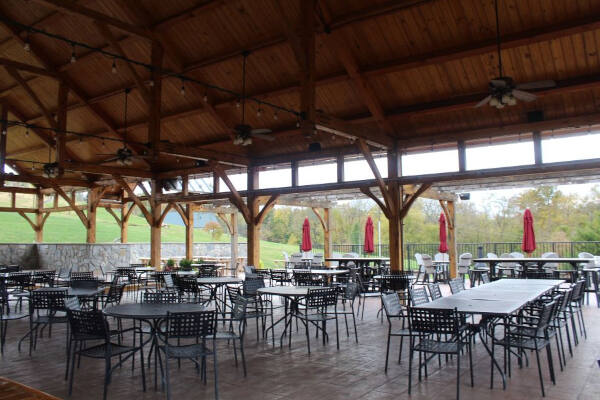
pixel 124 156
pixel 244 132
pixel 503 90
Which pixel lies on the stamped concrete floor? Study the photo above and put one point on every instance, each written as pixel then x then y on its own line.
pixel 353 372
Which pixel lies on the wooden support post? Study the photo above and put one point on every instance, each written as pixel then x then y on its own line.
pixel 61 124
pixel 233 232
pixel 124 223
pixel 189 232
pixel 395 216
pixel 39 218
pixel 294 173
pixel 3 138
pixel 253 226
pixel 155 226
pixel 462 156
pixel 92 205
pixel 340 168
pixel 216 183
pixel 537 148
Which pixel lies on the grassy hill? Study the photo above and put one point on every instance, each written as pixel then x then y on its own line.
pixel 66 227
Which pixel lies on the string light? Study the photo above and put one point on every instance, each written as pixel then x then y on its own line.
pixel 4 131
pixel 27 131
pixel 205 98
pixel 73 56
pixel 163 72
pixel 103 144
pixel 26 45
pixel 259 112
pixel 114 66
pixel 275 116
pixel 182 90
pixel 238 104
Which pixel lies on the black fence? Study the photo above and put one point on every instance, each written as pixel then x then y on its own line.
pixel 564 249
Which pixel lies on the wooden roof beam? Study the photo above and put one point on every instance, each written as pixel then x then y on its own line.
pixel 345 129
pixel 187 151
pixel 339 45
pixel 27 68
pixel 71 7
pixel 93 168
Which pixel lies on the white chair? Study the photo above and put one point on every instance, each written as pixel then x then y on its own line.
pixel 428 267
pixel 516 254
pixel 549 267
pixel 442 257
pixel 464 264
pixel 586 255
pixel 442 269
pixel 492 255
pixel 317 261
pixel 286 259
pixel 420 269
pixel 506 266
pixel 296 260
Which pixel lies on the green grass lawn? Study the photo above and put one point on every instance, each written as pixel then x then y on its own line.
pixel 65 227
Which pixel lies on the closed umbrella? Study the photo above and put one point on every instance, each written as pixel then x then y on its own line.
pixel 443 239
pixel 306 242
pixel 369 246
pixel 528 245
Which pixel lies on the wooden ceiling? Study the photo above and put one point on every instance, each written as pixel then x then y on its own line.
pixel 409 70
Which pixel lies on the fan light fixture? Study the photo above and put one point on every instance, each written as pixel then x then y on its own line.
pixel 51 170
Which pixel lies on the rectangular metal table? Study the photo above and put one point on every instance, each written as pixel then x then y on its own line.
pixel 498 299
pixel 539 261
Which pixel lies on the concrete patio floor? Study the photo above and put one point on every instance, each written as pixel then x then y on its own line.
pixel 354 372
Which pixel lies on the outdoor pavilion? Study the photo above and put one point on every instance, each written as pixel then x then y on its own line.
pixel 331 79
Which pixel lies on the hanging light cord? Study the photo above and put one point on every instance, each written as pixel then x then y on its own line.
pixel 498 39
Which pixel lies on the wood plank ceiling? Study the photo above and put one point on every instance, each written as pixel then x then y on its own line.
pixel 424 64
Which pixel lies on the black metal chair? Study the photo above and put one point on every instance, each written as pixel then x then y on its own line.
pixel 160 297
pixel 318 310
pixel 280 278
pixel 485 278
pixel 92 325
pixel 259 307
pixel 6 315
pixel 81 275
pixel 527 335
pixel 418 296
pixel 197 328
pixel 236 328
pixel 114 294
pixel 456 285
pixel 434 291
pixel 437 332
pixel 349 295
pixel 44 278
pixel 394 312
pixel 189 291
pixel 46 307
pixel 305 279
pixel 576 309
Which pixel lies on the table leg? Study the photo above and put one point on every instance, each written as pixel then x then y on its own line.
pixel 483 326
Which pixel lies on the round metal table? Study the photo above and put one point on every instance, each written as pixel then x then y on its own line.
pixel 214 283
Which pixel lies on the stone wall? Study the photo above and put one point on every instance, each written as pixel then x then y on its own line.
pixel 83 257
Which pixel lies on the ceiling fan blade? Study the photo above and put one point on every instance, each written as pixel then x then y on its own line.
pixel 484 101
pixel 537 85
pixel 499 83
pixel 523 96
pixel 109 160
pixel 262 136
pixel 260 130
pixel 105 154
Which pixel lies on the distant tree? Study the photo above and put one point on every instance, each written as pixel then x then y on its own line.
pixel 214 229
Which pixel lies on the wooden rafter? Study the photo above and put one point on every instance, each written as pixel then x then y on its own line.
pixel 177 207
pixel 115 216
pixel 336 126
pixel 164 213
pixel 201 154
pixel 235 197
pixel 412 198
pixel 60 192
pixel 26 67
pixel 223 218
pixel 320 218
pixel 366 152
pixel 110 38
pixel 339 45
pixel 120 181
pixel 367 192
pixel 266 208
pixel 31 94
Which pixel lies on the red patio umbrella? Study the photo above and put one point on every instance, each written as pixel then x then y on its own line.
pixel 443 240
pixel 306 243
pixel 528 245
pixel 369 246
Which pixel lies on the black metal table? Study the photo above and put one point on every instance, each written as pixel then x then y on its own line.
pixel 213 284
pixel 153 315
pixel 496 300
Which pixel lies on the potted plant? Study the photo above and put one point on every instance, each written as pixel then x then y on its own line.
pixel 170 265
pixel 185 264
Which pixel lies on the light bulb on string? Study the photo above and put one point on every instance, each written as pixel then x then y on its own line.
pixel 238 104
pixel 182 90
pixel 259 113
pixel 205 98
pixel 151 83
pixel 26 45
pixel 73 56
pixel 27 131
pixel 114 66
pixel 103 144
pixel 275 116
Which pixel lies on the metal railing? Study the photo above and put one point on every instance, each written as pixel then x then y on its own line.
pixel 564 249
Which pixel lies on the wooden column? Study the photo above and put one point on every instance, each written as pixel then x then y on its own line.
pixel 395 227
pixel 155 226
pixel 216 184
pixel 253 226
pixel 233 232
pixel 537 148
pixel 340 168
pixel 92 201
pixel 39 218
pixel 61 124
pixel 3 139
pixel 327 234
pixel 124 223
pixel 189 232
pixel 294 168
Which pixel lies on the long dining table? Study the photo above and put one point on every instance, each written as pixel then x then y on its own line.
pixel 495 300
pixel 539 262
